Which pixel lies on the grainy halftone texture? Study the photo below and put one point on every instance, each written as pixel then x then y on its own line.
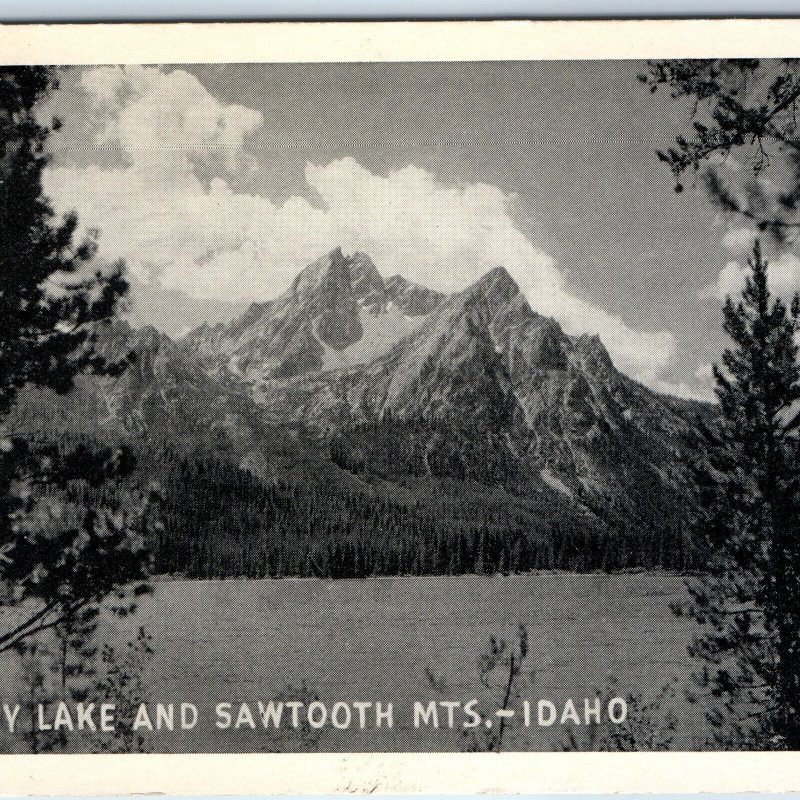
pixel 420 350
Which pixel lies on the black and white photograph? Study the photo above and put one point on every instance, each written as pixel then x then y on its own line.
pixel 403 406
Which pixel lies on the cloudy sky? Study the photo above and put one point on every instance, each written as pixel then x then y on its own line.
pixel 217 184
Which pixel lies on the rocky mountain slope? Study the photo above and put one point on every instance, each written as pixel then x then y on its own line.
pixel 479 361
pixel 450 409
pixel 338 312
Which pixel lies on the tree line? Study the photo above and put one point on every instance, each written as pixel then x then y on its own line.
pixel 221 521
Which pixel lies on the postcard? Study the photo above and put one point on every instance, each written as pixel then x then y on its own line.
pixel 400 407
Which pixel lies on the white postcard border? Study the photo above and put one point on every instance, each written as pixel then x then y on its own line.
pixel 299 42
pixel 401 773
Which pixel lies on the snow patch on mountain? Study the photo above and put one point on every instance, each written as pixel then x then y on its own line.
pixel 381 332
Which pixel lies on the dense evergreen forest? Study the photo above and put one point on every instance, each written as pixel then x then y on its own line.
pixel 222 521
pixel 379 497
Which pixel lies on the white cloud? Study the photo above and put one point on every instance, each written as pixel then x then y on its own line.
pixel 783 274
pixel 740 240
pixel 701 388
pixel 447 237
pixel 686 391
pixel 784 269
pixel 161 119
pixel 729 283
pixel 705 372
pixel 209 241
pixel 725 161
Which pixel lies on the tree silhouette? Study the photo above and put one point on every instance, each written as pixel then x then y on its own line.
pixel 747 600
pixel 743 140
pixel 57 555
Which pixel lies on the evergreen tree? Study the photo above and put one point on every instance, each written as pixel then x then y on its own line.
pixel 748 598
pixel 51 292
pixel 57 555
pixel 743 139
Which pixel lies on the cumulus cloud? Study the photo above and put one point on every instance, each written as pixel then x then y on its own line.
pixel 160 120
pixel 739 240
pixel 209 241
pixel 784 268
pixel 686 391
pixel 784 278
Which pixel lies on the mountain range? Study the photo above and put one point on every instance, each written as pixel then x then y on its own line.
pixel 467 415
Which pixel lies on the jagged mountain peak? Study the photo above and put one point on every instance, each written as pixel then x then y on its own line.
pixel 411 298
pixel 336 313
pixel 495 300
pixel 118 339
pixel 495 293
pixel 339 313
pixel 397 284
pixel 496 281
pixel 327 271
pixel 336 278
pixel 474 387
pixel 367 284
